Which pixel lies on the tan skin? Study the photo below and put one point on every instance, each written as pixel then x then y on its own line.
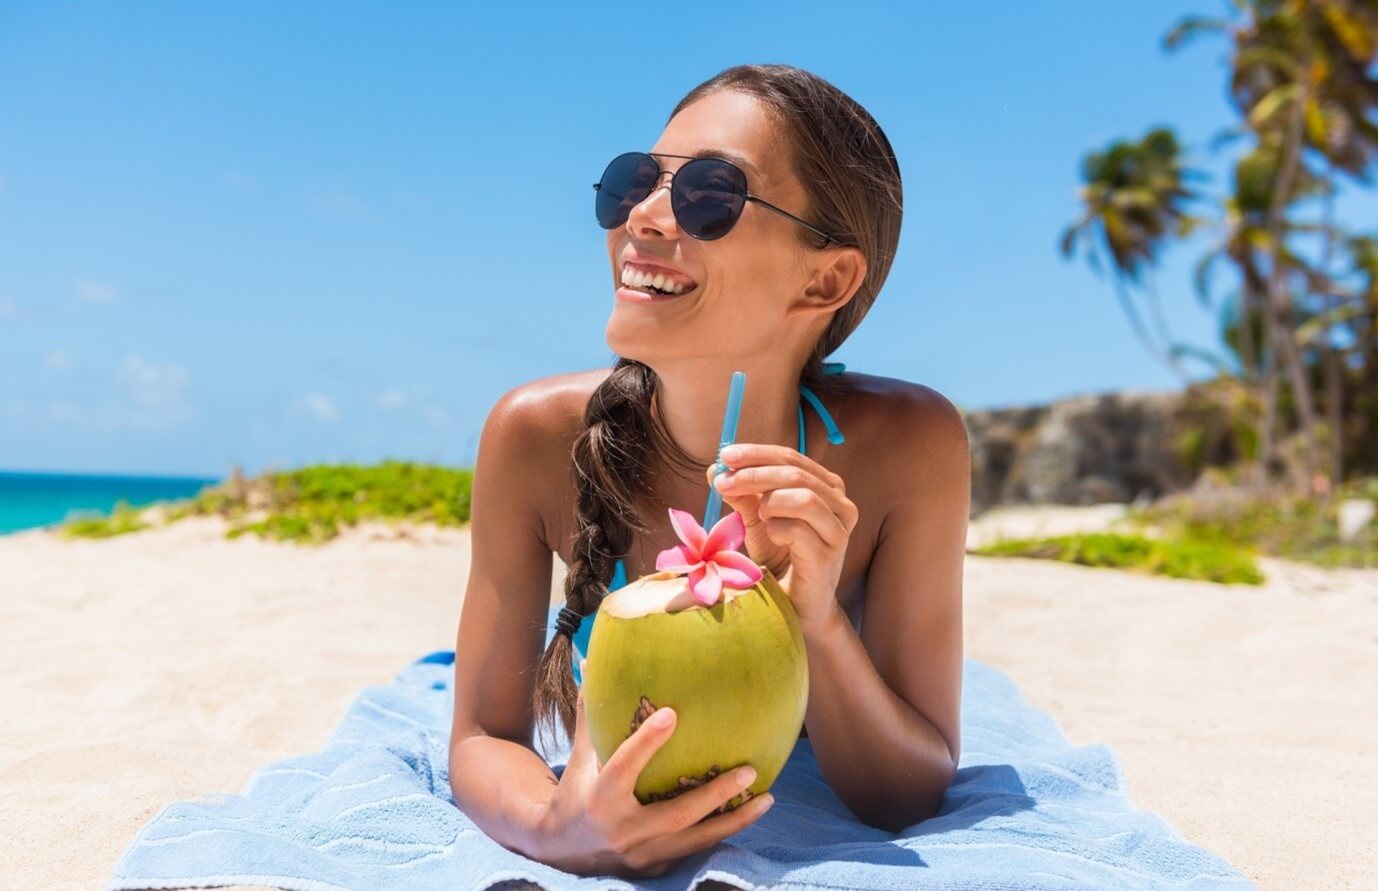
pixel 867 536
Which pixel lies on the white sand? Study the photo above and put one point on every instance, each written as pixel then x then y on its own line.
pixel 159 666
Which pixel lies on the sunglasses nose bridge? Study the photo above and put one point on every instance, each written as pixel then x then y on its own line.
pixel 656 186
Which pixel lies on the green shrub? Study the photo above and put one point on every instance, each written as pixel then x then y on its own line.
pixel 1296 527
pixel 122 519
pixel 312 504
pixel 1177 558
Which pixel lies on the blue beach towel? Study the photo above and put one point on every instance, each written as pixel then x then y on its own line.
pixel 373 810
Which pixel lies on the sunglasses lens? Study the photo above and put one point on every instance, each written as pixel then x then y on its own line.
pixel 626 182
pixel 708 196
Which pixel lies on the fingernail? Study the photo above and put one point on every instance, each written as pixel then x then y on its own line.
pixel 663 717
pixel 766 801
pixel 731 453
pixel 744 774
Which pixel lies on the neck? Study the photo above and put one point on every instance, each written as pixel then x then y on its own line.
pixel 691 400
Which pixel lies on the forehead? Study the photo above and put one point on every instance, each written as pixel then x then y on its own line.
pixel 727 124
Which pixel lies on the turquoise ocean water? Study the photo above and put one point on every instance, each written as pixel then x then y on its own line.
pixel 28 500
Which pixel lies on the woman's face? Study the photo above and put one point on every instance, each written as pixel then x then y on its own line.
pixel 744 282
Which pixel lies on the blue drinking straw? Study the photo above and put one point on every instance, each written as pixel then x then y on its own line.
pixel 729 435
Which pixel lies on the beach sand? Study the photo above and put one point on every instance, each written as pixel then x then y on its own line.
pixel 159 666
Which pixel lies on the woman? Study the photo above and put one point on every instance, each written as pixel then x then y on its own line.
pixel 870 524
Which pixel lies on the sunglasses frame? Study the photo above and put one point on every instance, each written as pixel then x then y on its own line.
pixel 748 196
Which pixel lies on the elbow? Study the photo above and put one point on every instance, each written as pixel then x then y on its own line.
pixel 897 818
pixel 923 801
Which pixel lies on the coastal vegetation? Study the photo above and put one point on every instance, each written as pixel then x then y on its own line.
pixel 1211 532
pixel 1298 527
pixel 1177 557
pixel 121 520
pixel 309 504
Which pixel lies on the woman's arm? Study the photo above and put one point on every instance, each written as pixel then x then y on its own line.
pixel 883 707
pixel 496 776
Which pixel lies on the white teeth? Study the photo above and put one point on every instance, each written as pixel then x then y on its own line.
pixel 659 281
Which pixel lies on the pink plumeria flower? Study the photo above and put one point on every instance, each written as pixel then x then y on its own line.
pixel 711 558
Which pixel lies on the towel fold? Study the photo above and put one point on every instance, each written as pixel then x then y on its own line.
pixel 373 810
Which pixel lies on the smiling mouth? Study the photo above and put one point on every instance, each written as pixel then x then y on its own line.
pixel 655 282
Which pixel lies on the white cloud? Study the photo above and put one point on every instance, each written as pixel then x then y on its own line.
pixel 58 360
pixel 150 384
pixel 146 395
pixel 320 407
pixel 93 291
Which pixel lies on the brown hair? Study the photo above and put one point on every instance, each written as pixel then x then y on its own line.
pixel 851 177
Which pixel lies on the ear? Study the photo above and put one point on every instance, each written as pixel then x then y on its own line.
pixel 838 274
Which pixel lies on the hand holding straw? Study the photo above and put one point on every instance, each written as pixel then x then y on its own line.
pixel 729 436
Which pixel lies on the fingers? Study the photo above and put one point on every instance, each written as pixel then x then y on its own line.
pixel 633 754
pixel 806 490
pixel 808 528
pixel 753 454
pixel 662 845
pixel 713 470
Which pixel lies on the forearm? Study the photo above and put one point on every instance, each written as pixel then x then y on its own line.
pixel 885 760
pixel 504 787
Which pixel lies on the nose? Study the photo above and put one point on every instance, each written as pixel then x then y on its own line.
pixel 654 213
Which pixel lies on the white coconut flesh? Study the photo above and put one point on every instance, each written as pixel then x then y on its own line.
pixel 736 674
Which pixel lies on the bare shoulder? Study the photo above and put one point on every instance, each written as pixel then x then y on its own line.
pixel 904 413
pixel 548 410
pixel 905 431
pixel 539 420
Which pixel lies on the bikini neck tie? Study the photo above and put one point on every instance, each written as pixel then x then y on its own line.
pixel 568 622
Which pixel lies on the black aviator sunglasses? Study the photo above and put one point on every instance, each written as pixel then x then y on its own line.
pixel 707 195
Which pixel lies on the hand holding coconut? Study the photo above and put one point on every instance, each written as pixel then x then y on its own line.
pixel 711 640
pixel 594 824
pixel 798 521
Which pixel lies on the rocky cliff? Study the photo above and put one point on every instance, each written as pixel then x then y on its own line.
pixel 1109 447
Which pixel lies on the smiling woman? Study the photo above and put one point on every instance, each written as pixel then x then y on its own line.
pixel 764 252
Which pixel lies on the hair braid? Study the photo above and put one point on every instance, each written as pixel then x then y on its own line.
pixel 620 437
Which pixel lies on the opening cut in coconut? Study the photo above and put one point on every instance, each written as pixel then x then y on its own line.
pixel 658 592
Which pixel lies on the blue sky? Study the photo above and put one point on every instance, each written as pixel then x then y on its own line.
pixel 270 234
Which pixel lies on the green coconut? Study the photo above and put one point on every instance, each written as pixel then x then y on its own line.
pixel 736 673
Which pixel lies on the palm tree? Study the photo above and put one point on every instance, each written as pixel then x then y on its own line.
pixel 1134 198
pixel 1300 78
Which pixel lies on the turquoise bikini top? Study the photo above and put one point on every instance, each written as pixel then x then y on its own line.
pixel 619 576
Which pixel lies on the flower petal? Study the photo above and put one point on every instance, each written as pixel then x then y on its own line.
pixel 727 535
pixel 677 559
pixel 705 584
pixel 737 569
pixel 688 530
